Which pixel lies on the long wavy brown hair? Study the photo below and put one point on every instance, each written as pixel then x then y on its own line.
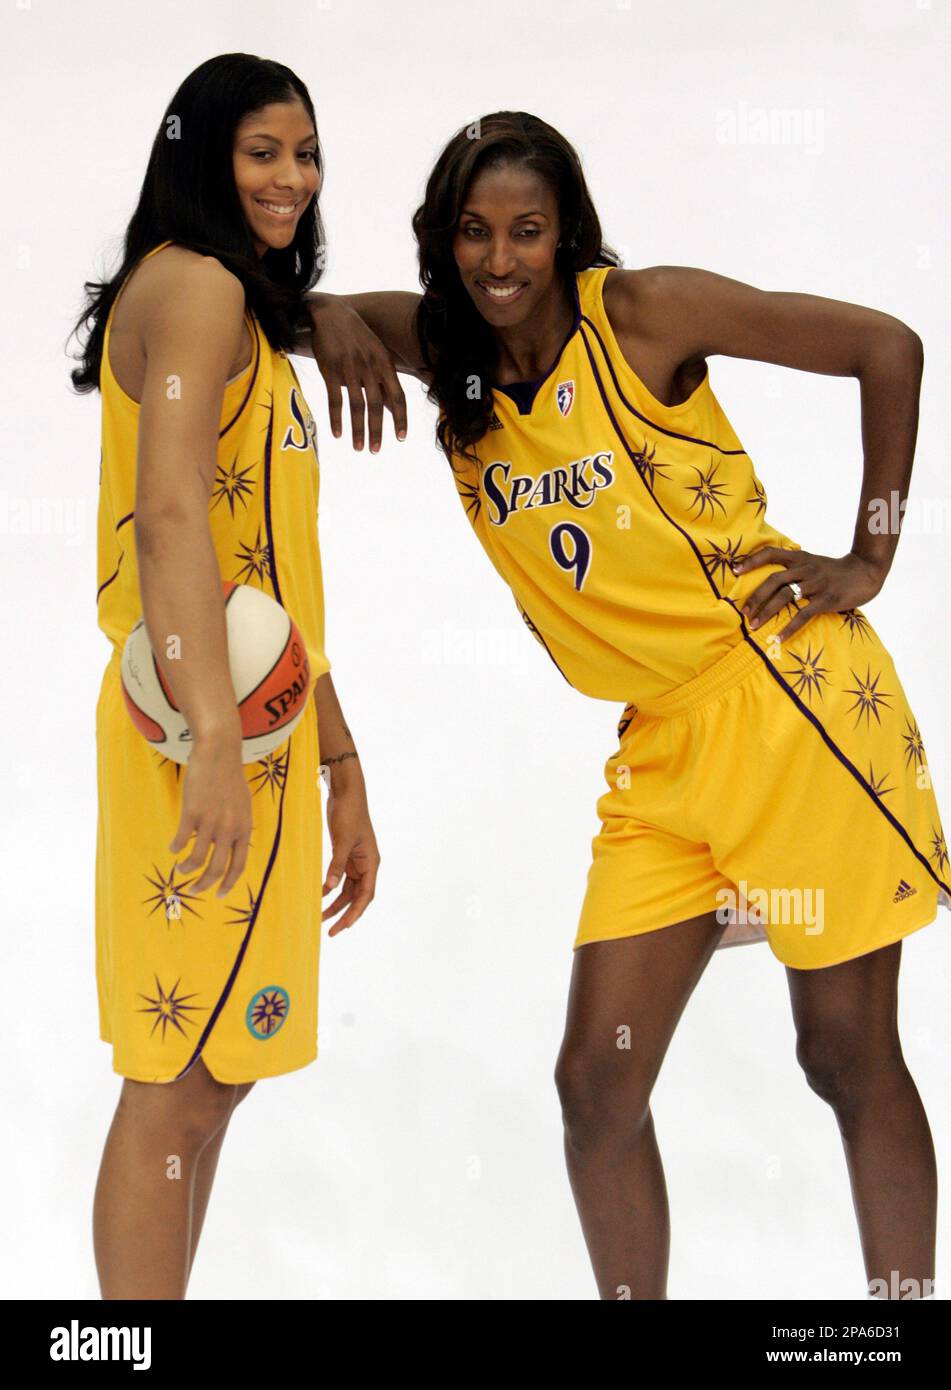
pixel 456 342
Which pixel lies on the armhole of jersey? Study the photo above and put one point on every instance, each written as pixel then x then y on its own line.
pixel 626 373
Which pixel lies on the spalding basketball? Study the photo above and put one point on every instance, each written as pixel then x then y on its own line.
pixel 269 671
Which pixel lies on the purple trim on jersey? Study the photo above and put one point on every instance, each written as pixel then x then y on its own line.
pixel 523 393
pixel 271 555
pixel 844 760
pixel 535 633
pixel 672 434
pixel 223 998
pixel 633 457
pixel 106 582
pixel 128 517
pixel 256 359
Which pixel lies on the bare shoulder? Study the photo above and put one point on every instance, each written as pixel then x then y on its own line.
pixel 181 285
pixel 650 299
pixel 673 310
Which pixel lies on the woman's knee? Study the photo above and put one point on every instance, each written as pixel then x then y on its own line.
pixel 604 1094
pixel 193 1108
pixel 843 1065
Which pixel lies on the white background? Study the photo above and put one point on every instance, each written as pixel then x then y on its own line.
pixel 420 1157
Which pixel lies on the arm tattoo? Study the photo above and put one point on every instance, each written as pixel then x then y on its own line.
pixel 339 757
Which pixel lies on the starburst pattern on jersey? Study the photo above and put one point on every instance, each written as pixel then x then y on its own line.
pixel 627 714
pixel 170 1009
pixel 878 786
pixel 257 560
pixel 648 469
pixel 939 849
pixel 266 405
pixel 244 915
pixel 758 500
pixel 529 624
pixel 721 557
pixel 856 622
pixel 868 697
pixel 914 747
pixel 471 497
pixel 808 675
pixel 707 491
pixel 171 895
pixel 233 484
pixel 267 1011
pixel 273 772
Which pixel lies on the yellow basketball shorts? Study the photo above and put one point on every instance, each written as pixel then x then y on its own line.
pixel 786 788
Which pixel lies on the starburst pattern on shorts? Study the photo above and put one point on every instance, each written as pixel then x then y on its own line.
pixel 758 500
pixel 232 484
pixel 244 915
pixel 257 560
pixel 878 787
pixel 170 1009
pixel 273 772
pixel 171 895
pixel 171 763
pixel 648 469
pixel 707 490
pixel 914 747
pixel 939 849
pixel 721 557
pixel 855 621
pixel 868 697
pixel 808 675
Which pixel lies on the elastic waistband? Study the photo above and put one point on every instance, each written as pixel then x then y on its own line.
pixel 722 675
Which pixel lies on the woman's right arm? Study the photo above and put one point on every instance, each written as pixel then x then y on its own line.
pixel 360 342
pixel 192 331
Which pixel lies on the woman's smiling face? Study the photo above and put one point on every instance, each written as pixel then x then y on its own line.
pixel 505 242
pixel 275 171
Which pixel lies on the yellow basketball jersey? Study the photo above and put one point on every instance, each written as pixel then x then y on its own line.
pixel 614 518
pixel 183 974
pixel 264 498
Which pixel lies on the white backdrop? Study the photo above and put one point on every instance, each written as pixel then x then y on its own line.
pixel 420 1157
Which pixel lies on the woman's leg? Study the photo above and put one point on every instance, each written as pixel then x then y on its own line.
pixel 626 998
pixel 142 1215
pixel 848 1046
pixel 205 1174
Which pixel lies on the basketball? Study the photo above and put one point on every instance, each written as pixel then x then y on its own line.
pixel 269 670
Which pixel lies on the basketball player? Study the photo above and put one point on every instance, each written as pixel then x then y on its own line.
pixel 208 878
pixel 770 777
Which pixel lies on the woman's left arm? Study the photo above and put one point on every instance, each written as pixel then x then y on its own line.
pixel 353 842
pixel 702 314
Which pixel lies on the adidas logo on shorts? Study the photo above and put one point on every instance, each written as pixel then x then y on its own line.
pixel 904 890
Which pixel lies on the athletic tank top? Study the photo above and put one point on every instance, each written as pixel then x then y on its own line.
pixel 614 518
pixel 262 511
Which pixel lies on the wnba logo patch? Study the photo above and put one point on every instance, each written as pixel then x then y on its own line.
pixel 565 396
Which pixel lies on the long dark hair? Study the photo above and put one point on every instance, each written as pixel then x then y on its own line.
pixel 189 196
pixel 456 342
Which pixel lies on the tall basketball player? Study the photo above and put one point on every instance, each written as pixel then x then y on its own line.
pixel 612 494
pixel 208 882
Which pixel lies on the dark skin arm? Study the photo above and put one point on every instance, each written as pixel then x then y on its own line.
pixel 680 316
pixel 356 857
pixel 668 320
pixel 360 342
